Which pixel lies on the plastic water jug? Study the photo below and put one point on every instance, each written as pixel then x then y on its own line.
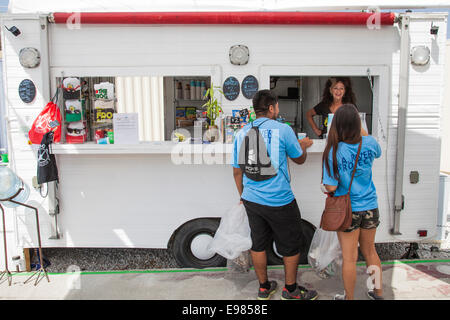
pixel 10 183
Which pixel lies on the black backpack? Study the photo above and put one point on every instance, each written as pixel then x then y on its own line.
pixel 254 159
pixel 46 168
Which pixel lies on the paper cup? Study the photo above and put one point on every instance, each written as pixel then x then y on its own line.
pixel 301 135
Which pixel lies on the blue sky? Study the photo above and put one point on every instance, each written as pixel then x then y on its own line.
pixel 4 5
pixel 4 8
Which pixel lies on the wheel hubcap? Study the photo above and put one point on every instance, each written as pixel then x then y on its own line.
pixel 199 246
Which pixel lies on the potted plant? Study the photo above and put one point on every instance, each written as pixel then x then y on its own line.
pixel 213 110
pixel 213 107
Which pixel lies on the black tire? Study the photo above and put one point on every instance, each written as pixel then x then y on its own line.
pixel 307 230
pixel 181 247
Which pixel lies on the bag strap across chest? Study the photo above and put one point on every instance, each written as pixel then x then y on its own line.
pixel 354 168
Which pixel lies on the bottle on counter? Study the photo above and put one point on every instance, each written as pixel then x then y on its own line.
pixel 202 90
pixel 252 115
pixel 179 91
pixel 198 90
pixel 193 90
pixel 187 92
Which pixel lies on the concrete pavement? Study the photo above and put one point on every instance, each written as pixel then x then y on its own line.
pixel 402 279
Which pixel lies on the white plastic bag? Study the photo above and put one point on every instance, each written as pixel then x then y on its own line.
pixel 233 235
pixel 325 254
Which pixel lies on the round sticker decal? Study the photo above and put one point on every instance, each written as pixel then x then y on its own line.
pixel 27 91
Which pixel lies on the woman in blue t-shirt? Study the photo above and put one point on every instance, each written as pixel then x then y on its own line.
pixel 338 160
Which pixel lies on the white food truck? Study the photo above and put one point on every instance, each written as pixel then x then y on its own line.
pixel 152 192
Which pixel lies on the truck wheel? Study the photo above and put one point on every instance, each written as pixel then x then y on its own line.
pixel 190 244
pixel 274 258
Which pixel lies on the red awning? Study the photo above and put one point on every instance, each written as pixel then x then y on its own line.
pixel 286 18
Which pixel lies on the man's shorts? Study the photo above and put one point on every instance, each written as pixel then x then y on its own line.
pixel 368 219
pixel 281 224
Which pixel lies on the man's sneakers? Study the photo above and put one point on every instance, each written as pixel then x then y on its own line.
pixel 300 293
pixel 265 294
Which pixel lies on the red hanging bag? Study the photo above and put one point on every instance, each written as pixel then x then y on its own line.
pixel 49 119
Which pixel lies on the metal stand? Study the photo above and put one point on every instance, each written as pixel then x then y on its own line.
pixel 41 272
pixel 6 272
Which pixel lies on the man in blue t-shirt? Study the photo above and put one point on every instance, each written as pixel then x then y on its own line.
pixel 270 204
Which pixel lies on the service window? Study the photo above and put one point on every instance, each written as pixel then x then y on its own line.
pixel 184 111
pixel 299 94
pixel 87 106
pixel 163 104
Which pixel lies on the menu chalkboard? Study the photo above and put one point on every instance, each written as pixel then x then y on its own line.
pixel 249 87
pixel 231 88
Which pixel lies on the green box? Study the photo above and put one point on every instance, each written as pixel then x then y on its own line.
pixel 191 113
pixel 73 117
pixel 111 137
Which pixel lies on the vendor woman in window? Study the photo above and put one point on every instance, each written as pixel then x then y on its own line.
pixel 337 92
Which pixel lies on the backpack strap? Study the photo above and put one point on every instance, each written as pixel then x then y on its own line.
pixel 260 123
pixel 257 141
pixel 323 162
pixel 279 166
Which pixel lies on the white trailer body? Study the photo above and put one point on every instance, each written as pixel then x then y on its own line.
pixel 137 196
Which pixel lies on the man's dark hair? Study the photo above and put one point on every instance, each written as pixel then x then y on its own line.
pixel 262 100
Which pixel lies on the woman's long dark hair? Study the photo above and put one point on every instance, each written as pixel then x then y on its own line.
pixel 345 127
pixel 349 96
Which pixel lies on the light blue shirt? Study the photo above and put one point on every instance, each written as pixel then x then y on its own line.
pixel 363 194
pixel 281 142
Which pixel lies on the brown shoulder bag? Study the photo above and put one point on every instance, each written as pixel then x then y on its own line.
pixel 337 215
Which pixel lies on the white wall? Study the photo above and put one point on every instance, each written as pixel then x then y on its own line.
pixel 445 142
pixel 423 128
pixel 141 48
pixel 20 117
pixel 445 121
